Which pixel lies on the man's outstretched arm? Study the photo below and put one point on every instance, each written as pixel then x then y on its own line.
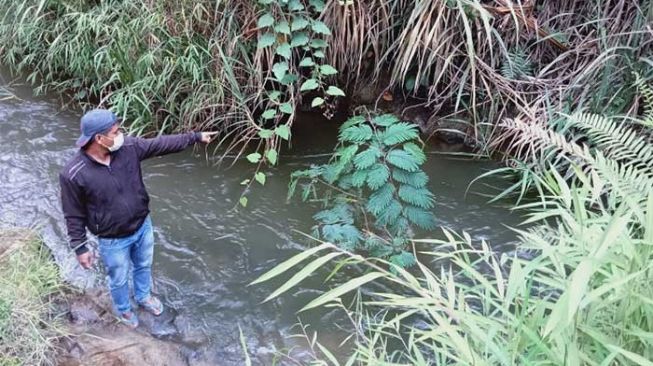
pixel 168 144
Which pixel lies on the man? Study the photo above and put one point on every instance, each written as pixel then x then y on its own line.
pixel 102 189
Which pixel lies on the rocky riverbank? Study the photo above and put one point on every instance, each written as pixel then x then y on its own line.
pixel 44 321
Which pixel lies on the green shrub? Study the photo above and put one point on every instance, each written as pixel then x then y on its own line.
pixel 374 191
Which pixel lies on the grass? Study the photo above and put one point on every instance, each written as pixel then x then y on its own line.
pixel 28 281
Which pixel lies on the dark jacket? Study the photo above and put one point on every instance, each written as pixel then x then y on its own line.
pixel 111 201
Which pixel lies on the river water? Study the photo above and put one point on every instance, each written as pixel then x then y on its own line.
pixel 207 252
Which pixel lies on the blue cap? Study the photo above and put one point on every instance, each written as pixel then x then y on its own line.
pixel 94 122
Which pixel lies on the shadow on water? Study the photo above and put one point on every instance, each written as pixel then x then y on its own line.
pixel 207 251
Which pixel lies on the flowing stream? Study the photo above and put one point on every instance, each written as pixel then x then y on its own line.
pixel 207 251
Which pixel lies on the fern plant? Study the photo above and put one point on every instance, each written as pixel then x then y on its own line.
pixel 516 65
pixel 373 188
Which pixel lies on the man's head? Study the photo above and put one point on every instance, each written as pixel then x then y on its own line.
pixel 102 127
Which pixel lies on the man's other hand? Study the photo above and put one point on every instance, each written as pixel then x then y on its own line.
pixel 85 259
pixel 207 137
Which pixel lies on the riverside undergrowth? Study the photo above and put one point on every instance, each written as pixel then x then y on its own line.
pixel 577 290
pixel 242 66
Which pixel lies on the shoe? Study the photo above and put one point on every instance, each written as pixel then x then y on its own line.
pixel 129 318
pixel 152 305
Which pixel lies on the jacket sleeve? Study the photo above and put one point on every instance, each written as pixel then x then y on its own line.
pixel 74 211
pixel 162 145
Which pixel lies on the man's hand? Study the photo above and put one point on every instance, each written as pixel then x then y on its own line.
pixel 85 259
pixel 207 137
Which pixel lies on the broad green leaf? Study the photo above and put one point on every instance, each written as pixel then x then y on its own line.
pixel 310 84
pixel 288 79
pixel 288 263
pixel 335 91
pixel 265 20
pixel 271 155
pixel 269 113
pixel 243 201
pixel 307 61
pixel 282 27
pixel 265 2
pixel 318 43
pixel 299 39
pixel 264 134
pixel 319 54
pixel 282 131
pixel 342 289
pixel 245 182
pixel 295 5
pixel 279 70
pixel 286 108
pixel 318 5
pixel 260 177
pixel 266 40
pixel 317 102
pixel 328 70
pixel 301 275
pixel 284 50
pixel 254 157
pixel 298 24
pixel 320 27
pixel 274 95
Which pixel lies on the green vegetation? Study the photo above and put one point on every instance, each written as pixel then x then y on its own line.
pixel 28 280
pixel 557 88
pixel 582 296
pixel 242 66
pixel 374 174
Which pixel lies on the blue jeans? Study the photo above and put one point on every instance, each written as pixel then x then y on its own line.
pixel 117 255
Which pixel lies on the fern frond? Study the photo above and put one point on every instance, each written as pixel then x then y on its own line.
pixel 415 179
pixel 516 65
pixel 531 141
pixel 420 197
pixel 377 176
pixel 420 217
pixel 398 133
pixel 404 259
pixel 403 159
pixel 356 133
pixel 416 151
pixel 627 183
pixel 390 214
pixel 647 96
pixel 367 158
pixel 359 177
pixel 385 120
pixel 617 142
pixel 380 199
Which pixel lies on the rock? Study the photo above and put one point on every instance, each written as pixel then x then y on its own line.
pixel 189 334
pixel 122 346
pixel 84 311
pixel 161 326
pixel 101 340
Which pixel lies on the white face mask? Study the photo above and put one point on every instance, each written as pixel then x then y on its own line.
pixel 117 142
